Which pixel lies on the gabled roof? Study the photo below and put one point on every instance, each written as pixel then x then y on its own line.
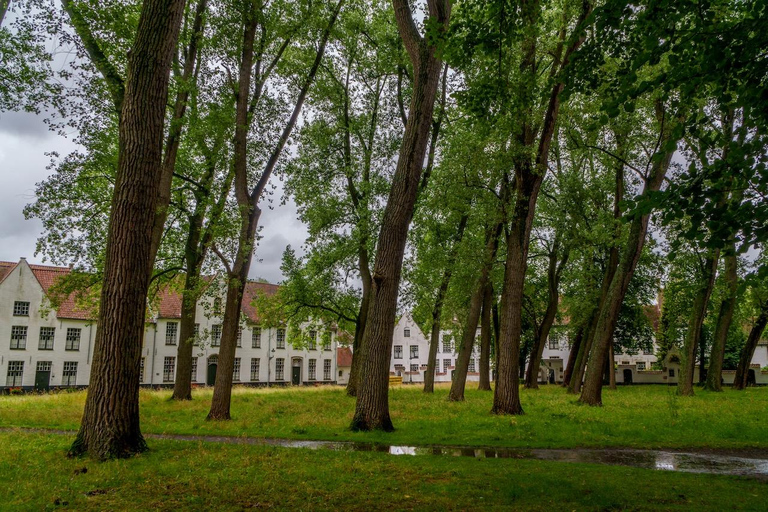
pixel 47 276
pixel 344 357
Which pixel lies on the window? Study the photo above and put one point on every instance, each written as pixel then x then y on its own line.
pixel 194 369
pixel 171 330
pixel 44 366
pixel 20 308
pixel 19 337
pixel 446 365
pixel 312 369
pixel 15 373
pixel 73 338
pixel 255 369
pixel 216 335
pixel 341 373
pixel 554 342
pixel 281 338
pixel 641 365
pixel 414 368
pixel 46 338
pixel 471 368
pixel 217 306
pixel 279 368
pixel 671 372
pixel 447 343
pixel 312 345
pixel 256 338
pixel 69 375
pixel 407 332
pixel 239 337
pixel 236 370
pixel 327 369
pixel 141 370
pixel 414 351
pixel 197 341
pixel 169 368
pixel 398 351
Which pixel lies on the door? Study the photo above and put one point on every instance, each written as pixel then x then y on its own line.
pixel 551 376
pixel 751 378
pixel 211 377
pixel 627 376
pixel 42 380
pixel 296 375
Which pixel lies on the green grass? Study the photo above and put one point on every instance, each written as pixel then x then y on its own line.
pixel 639 416
pixel 177 475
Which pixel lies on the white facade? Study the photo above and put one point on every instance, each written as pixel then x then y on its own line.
pixel 410 353
pixel 56 347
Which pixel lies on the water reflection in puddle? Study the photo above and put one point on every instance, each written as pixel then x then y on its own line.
pixel 723 464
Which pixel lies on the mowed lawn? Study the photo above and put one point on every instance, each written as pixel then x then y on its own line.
pixel 176 475
pixel 634 416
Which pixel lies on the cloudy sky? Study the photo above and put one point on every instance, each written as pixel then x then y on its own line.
pixel 24 142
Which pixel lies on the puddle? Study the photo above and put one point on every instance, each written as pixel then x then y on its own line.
pixel 734 462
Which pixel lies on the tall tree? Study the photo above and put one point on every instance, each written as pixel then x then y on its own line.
pixel 372 407
pixel 110 424
pixel 248 199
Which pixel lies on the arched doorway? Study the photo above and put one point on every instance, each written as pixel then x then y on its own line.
pixel 627 376
pixel 296 371
pixel 213 364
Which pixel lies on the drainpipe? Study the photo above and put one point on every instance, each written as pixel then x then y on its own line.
pixel 152 368
pixel 90 337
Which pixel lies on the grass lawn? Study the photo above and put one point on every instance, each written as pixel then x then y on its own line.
pixel 177 475
pixel 634 416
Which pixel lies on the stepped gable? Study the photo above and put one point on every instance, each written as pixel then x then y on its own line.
pixel 47 276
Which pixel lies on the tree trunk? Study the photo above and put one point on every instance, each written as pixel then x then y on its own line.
pixel 591 392
pixel 469 333
pixel 248 203
pixel 611 370
pixel 176 126
pixel 182 386
pixel 437 310
pixel 580 363
pixel 693 334
pixel 575 348
pixel 484 383
pixel 554 272
pixel 3 9
pixel 362 317
pixel 724 319
pixel 372 407
pixel 748 351
pixel 110 424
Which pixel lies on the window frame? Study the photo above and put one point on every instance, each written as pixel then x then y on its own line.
pixel 19 340
pixel 71 343
pixel 42 343
pixel 19 305
pixel 69 374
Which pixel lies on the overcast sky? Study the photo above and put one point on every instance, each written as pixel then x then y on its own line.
pixel 24 142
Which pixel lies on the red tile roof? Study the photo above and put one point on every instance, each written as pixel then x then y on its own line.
pixel 253 290
pixel 169 303
pixel 47 276
pixel 344 357
pixel 6 267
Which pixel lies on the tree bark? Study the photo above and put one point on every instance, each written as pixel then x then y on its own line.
pixel 575 348
pixel 693 334
pixel 748 350
pixel 724 319
pixel 110 424
pixel 591 392
pixel 611 363
pixel 372 407
pixel 469 334
pixel 437 310
pixel 484 383
pixel 554 271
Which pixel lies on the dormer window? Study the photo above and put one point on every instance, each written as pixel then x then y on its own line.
pixel 20 308
pixel 407 332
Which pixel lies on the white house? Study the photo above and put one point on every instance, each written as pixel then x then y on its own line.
pixel 410 353
pixel 47 348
